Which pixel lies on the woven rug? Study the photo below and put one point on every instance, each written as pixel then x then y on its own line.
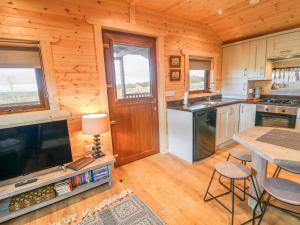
pixel 123 209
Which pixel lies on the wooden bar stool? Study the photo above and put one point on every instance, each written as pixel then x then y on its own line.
pixel 283 190
pixel 233 171
pixel 241 153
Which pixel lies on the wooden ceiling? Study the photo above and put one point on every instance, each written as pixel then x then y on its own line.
pixel 239 19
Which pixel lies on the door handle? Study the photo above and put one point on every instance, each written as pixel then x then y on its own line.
pixel 113 122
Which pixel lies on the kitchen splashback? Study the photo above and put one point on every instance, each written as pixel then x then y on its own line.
pixel 286 77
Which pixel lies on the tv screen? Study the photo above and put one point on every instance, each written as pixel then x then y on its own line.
pixel 31 148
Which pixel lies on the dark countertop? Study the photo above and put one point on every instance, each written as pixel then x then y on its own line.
pixel 203 104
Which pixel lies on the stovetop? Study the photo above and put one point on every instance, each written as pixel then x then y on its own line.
pixel 282 101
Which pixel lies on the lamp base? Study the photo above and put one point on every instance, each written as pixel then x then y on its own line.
pixel 97 153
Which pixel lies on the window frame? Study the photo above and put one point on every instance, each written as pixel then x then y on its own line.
pixel 206 85
pixel 41 84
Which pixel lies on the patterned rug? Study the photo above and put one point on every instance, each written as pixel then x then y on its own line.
pixel 123 209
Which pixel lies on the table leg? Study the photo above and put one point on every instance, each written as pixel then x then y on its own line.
pixel 259 165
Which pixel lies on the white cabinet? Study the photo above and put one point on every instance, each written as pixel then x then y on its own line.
pixel 247 116
pixel 298 119
pixel 227 123
pixel 180 134
pixel 257 59
pixel 235 63
pixel 283 45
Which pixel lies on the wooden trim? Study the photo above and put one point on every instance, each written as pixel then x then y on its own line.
pixel 99 51
pixel 126 27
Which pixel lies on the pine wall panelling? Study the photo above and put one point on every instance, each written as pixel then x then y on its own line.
pixel 74 51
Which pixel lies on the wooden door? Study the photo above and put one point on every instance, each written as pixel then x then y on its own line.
pixel 132 95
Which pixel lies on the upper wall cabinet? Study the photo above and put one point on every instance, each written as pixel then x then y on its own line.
pixel 283 45
pixel 235 61
pixel 257 59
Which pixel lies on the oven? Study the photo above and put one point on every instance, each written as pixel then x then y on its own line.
pixel 276 116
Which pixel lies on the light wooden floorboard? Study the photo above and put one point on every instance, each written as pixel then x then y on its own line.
pixel 171 187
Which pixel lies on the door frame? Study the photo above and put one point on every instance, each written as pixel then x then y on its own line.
pixel 98 27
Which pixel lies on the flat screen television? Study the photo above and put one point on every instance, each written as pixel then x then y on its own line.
pixel 30 148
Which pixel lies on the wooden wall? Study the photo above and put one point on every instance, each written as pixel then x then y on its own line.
pixel 74 55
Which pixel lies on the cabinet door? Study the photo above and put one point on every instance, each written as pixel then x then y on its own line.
pixel 235 60
pixel 227 123
pixel 283 45
pixel 257 59
pixel 260 62
pixel 235 87
pixel 247 116
pixel 222 125
pixel 234 119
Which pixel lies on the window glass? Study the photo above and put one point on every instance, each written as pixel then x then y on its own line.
pixel 22 84
pixel 18 86
pixel 132 71
pixel 199 71
pixel 197 80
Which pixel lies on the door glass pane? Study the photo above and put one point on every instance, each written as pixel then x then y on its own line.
pixel 132 71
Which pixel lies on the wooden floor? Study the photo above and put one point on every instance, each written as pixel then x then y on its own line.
pixel 171 187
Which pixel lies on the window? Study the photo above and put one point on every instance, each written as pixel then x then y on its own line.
pixel 199 74
pixel 132 71
pixel 22 86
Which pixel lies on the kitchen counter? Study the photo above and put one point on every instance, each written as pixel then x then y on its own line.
pixel 218 102
pixel 202 105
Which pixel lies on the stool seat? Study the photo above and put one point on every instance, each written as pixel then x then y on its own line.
pixel 293 169
pixel 233 170
pixel 284 190
pixel 241 153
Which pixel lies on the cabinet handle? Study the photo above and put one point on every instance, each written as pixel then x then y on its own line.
pixel 245 72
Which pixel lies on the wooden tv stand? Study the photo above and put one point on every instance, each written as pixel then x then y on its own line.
pixel 7 191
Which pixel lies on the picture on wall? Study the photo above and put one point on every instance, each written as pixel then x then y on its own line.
pixel 175 75
pixel 175 61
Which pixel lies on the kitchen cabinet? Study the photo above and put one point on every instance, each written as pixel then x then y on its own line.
pixel 235 63
pixel 257 60
pixel 227 123
pixel 191 135
pixel 247 116
pixel 283 45
pixel 298 119
pixel 235 88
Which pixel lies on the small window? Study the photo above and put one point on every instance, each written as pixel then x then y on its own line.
pixel 22 85
pixel 199 74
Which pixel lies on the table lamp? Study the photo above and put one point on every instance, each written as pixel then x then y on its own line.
pixel 95 124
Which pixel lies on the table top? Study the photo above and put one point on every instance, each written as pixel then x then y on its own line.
pixel 270 152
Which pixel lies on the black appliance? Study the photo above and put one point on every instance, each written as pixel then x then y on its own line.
pixel 204 133
pixel 30 148
pixel 276 116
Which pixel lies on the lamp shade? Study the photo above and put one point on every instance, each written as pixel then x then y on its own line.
pixel 94 124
